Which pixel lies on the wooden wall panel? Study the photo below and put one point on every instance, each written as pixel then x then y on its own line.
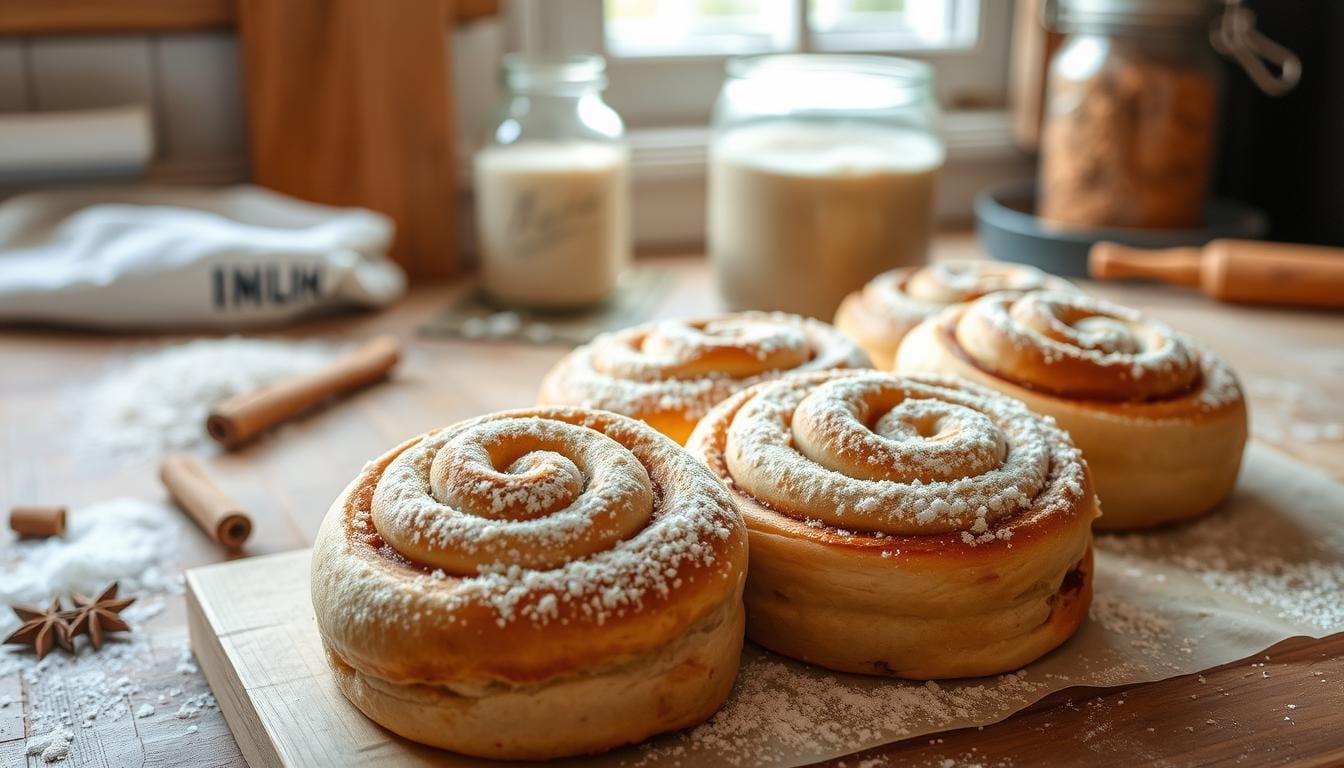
pixel 349 104
pixel 40 17
pixel 475 64
pixel 200 84
pixel 13 77
pixel 79 72
pixel 45 17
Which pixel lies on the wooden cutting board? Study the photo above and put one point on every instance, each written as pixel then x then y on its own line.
pixel 255 638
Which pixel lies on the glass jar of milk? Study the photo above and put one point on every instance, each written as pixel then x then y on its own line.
pixel 552 187
pixel 821 175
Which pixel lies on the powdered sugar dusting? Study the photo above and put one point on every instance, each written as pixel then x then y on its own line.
pixel 906 296
pixel 682 535
pixel 684 367
pixel 444 503
pixel 898 455
pixel 1080 347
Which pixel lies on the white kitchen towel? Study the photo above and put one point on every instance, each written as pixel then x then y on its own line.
pixel 153 257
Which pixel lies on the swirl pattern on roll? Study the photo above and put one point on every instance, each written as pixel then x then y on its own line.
pixel 671 373
pixel 575 520
pixel 1077 347
pixel 903 456
pixel 884 310
pixel 957 281
pixel 527 492
pixel 533 584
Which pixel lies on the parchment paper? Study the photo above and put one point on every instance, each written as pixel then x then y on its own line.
pixel 1266 566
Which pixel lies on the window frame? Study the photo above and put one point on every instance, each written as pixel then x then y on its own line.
pixel 660 91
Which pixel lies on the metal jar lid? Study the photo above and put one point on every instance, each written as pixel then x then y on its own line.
pixel 1135 13
pixel 1273 68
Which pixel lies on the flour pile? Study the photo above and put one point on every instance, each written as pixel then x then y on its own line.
pixel 158 402
pixel 132 542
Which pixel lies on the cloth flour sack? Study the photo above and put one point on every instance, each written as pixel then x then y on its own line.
pixel 141 257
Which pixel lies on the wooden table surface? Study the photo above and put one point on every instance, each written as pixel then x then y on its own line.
pixel 1292 363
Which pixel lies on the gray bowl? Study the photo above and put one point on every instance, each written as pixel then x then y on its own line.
pixel 1011 232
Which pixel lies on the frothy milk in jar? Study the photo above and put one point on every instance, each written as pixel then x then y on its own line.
pixel 552 221
pixel 802 213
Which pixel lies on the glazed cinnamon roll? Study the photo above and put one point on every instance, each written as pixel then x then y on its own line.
pixel 909 526
pixel 533 584
pixel 1160 419
pixel 880 314
pixel 670 373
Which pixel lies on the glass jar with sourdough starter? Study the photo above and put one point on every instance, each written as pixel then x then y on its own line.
pixel 1132 107
pixel 552 187
pixel 821 175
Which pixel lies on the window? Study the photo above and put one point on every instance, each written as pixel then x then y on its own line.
pixel 666 57
pixel 640 28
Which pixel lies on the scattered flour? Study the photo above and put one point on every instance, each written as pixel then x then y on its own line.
pixel 818 714
pixel 52 747
pixel 66 694
pixel 194 705
pixel 159 401
pixel 132 542
pixel 1145 630
pixel 1252 556
pixel 1289 411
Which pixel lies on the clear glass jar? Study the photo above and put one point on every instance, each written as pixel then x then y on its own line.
pixel 1131 106
pixel 552 187
pixel 821 175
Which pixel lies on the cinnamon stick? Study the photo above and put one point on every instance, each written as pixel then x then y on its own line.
pixel 38 522
pixel 199 497
pixel 239 419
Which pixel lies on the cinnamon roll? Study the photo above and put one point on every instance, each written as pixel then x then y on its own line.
pixel 1160 419
pixel 533 584
pixel 910 526
pixel 880 314
pixel 670 373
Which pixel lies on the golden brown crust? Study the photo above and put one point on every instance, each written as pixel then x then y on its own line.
pixel 669 374
pixel 488 623
pixel 880 314
pixel 980 597
pixel 1161 420
pixel 667 689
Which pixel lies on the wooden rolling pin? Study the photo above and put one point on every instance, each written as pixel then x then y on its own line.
pixel 1247 271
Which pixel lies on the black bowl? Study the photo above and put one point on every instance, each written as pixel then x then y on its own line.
pixel 1010 231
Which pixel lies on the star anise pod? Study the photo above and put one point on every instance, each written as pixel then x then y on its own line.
pixel 41 629
pixel 98 615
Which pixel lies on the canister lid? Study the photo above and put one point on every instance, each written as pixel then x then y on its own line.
pixel 1149 13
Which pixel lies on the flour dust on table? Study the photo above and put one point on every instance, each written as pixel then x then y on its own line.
pixel 125 540
pixel 155 402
